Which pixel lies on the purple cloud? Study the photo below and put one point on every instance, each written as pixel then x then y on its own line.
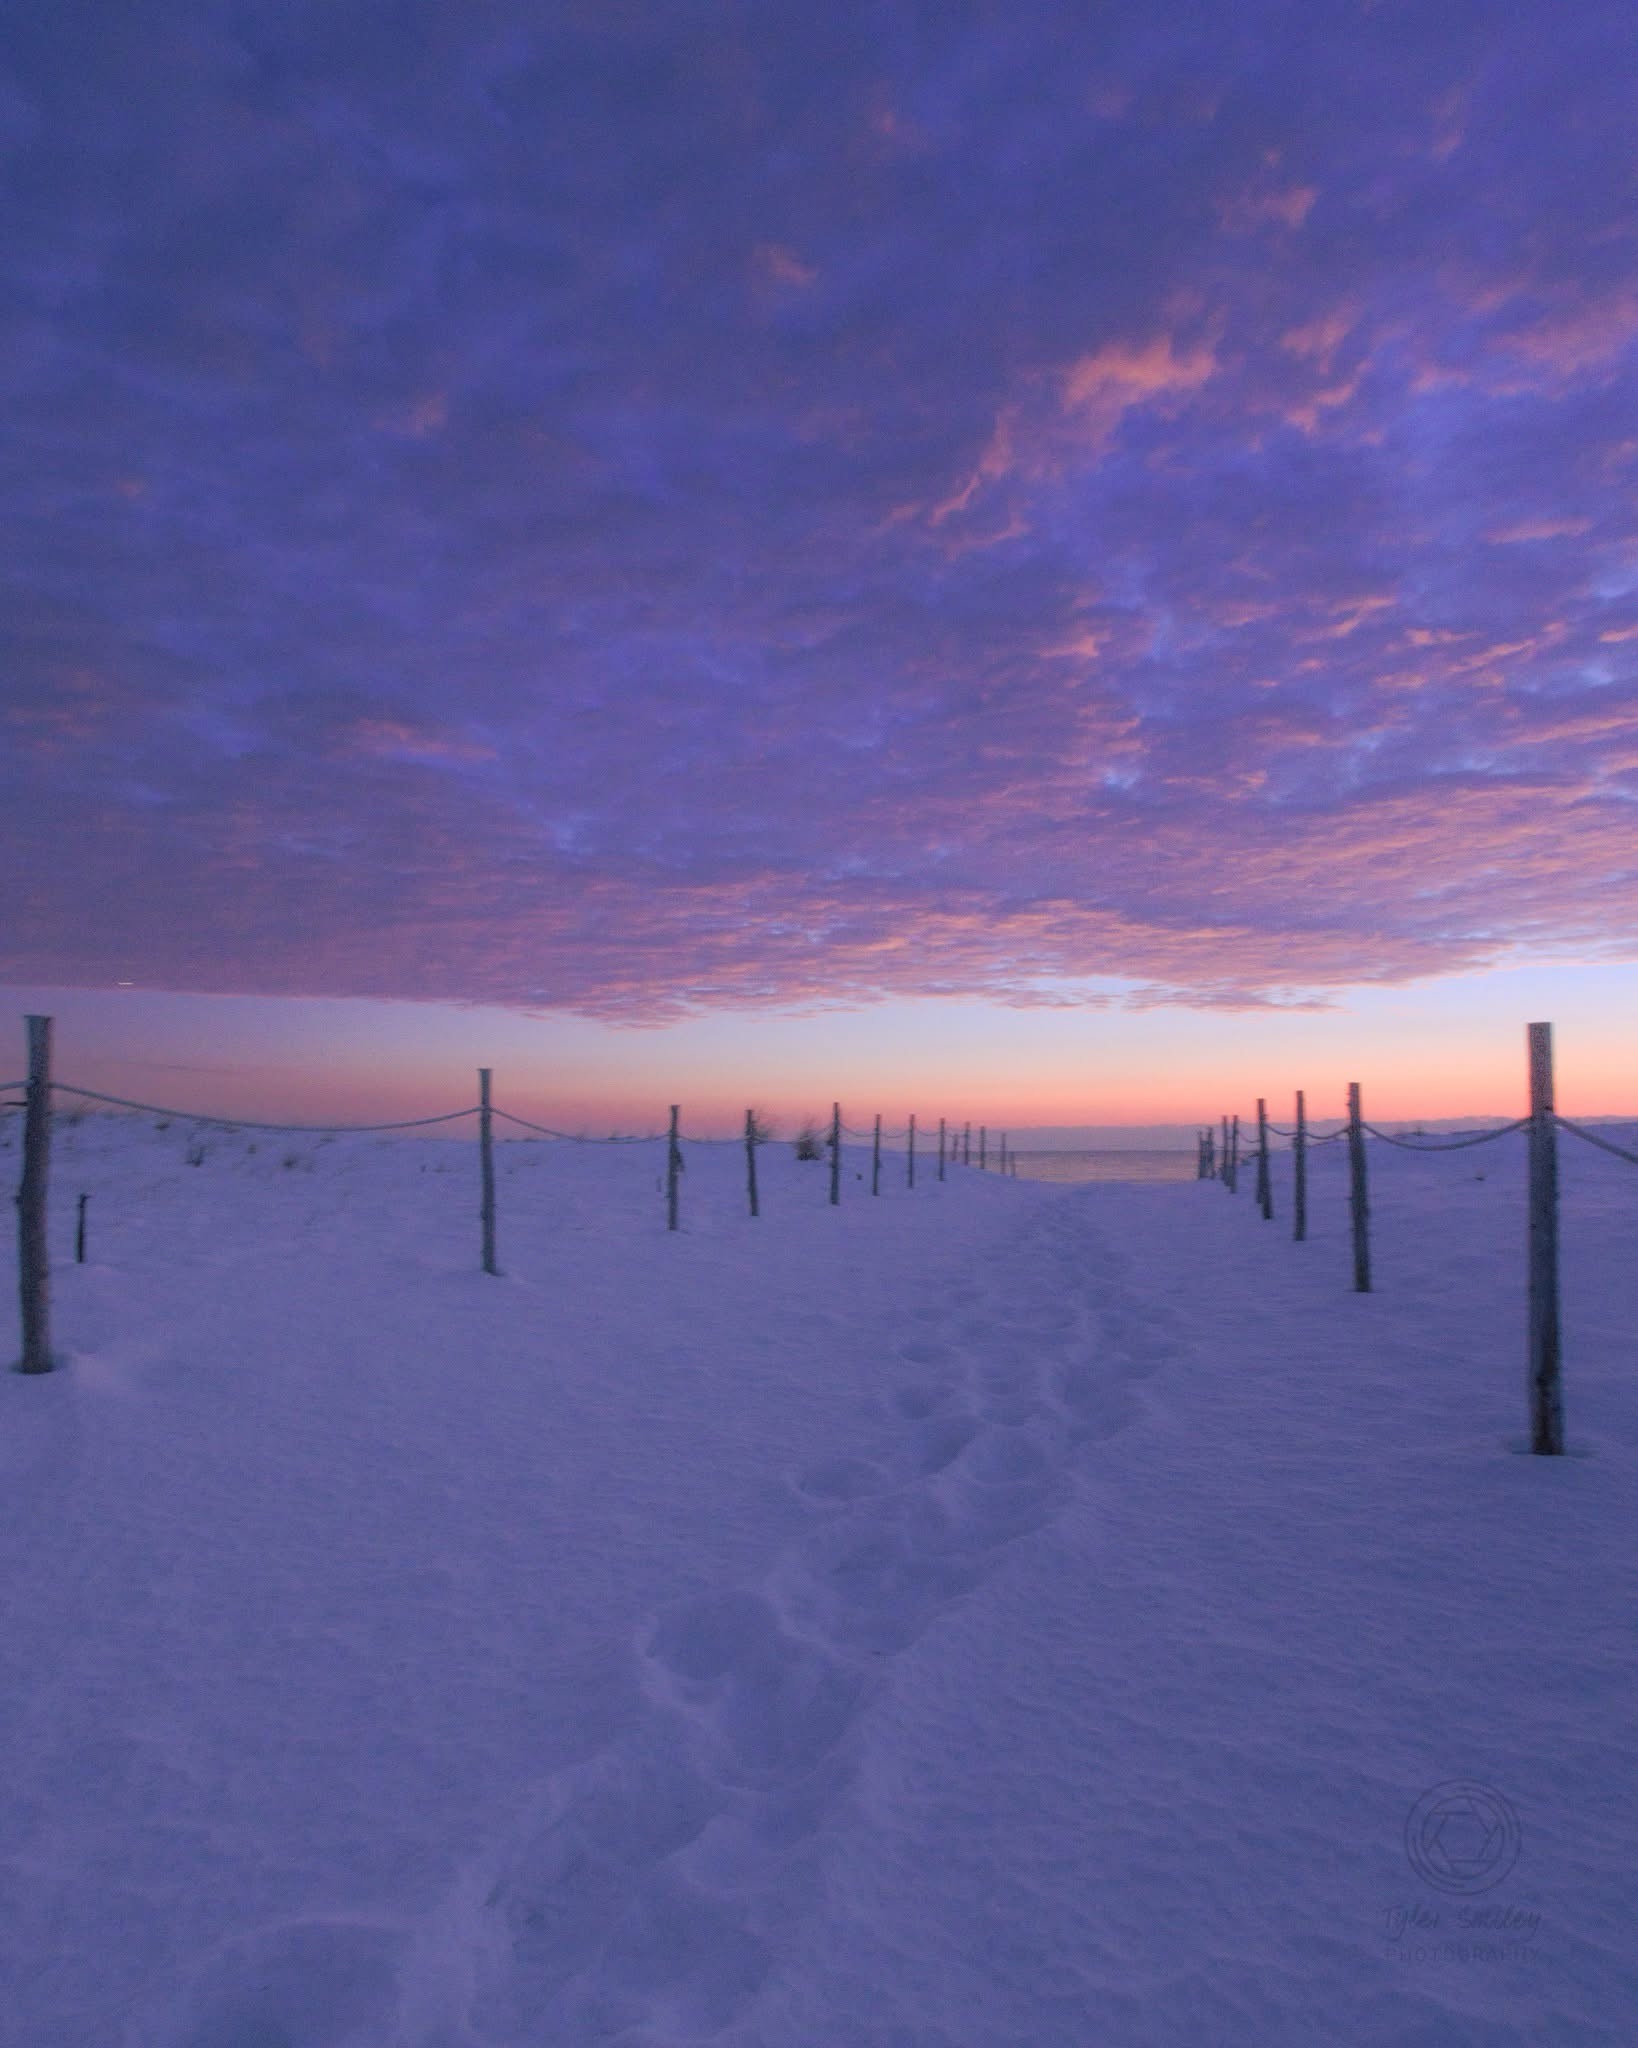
pixel 644 511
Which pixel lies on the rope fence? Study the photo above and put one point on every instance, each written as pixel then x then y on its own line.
pixel 1219 1159
pixel 1591 1137
pixel 36 1093
pixel 240 1123
pixel 1453 1145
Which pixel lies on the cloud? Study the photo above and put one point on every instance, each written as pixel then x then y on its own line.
pixel 1101 388
pixel 638 513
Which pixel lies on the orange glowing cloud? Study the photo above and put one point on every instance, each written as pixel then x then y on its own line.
pixel 393 739
pixel 1101 388
pixel 1538 529
pixel 776 265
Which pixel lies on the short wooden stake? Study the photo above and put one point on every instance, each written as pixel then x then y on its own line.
pixel 1265 1191
pixel 79 1233
pixel 941 1148
pixel 1358 1194
pixel 910 1156
pixel 835 1155
pixel 673 1169
pixel 486 1169
pixel 1546 1386
pixel 33 1263
pixel 876 1157
pixel 750 1159
pixel 1299 1174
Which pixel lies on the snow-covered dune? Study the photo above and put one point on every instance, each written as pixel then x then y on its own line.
pixel 998 1615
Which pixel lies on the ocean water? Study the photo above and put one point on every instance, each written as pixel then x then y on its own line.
pixel 1147 1166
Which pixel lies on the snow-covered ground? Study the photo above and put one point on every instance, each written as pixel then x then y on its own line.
pixel 999 1616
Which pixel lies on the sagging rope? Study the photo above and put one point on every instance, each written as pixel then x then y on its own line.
pixel 1603 1144
pixel 1454 1145
pixel 240 1123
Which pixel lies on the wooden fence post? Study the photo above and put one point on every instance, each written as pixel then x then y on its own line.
pixel 1225 1165
pixel 941 1148
pixel 1234 1155
pixel 1265 1191
pixel 1546 1388
pixel 33 1260
pixel 79 1233
pixel 983 1149
pixel 486 1169
pixel 1299 1174
pixel 1003 1151
pixel 750 1159
pixel 910 1156
pixel 835 1155
pixel 966 1144
pixel 673 1167
pixel 1358 1195
pixel 876 1158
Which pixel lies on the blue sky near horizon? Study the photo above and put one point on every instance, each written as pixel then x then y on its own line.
pixel 1056 557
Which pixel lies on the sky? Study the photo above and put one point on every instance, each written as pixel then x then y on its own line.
pixel 1064 558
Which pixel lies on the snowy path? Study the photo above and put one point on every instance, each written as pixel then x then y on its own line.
pixel 651 1888
pixel 997 1616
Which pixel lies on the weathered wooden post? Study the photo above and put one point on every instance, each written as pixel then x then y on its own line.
pixel 1299 1174
pixel 910 1156
pixel 79 1233
pixel 941 1148
pixel 33 1262
pixel 983 1149
pixel 673 1169
pixel 966 1144
pixel 1234 1156
pixel 1358 1196
pixel 750 1159
pixel 1225 1167
pixel 1003 1151
pixel 1546 1388
pixel 486 1169
pixel 1265 1191
pixel 876 1158
pixel 835 1155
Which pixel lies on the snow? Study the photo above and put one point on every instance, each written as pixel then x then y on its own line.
pixel 1000 1615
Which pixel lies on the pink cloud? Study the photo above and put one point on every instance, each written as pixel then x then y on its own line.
pixel 393 739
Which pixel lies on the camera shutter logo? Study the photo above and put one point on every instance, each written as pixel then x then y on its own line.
pixel 1462 1837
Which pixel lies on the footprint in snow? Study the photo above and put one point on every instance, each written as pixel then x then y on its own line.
pixel 771 1705
pixel 839 1479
